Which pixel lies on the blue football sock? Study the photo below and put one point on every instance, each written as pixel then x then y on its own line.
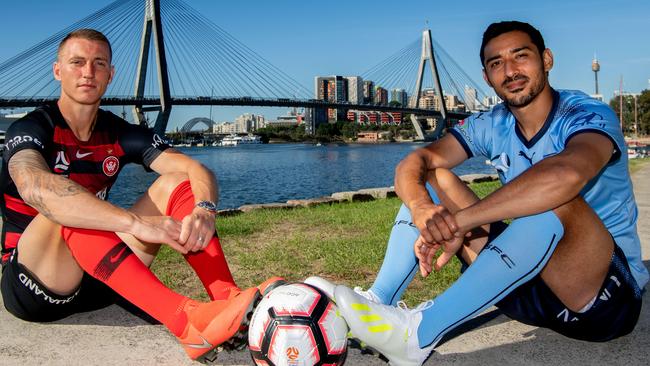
pixel 400 264
pixel 513 258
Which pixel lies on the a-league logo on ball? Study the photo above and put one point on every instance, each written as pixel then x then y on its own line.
pixel 110 166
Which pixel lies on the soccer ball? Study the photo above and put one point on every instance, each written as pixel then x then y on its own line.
pixel 297 325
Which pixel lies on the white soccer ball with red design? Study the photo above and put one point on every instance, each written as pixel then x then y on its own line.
pixel 297 325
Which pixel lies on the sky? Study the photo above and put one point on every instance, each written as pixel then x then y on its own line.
pixel 338 37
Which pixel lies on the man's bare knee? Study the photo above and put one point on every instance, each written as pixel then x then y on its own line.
pixel 166 183
pixel 154 201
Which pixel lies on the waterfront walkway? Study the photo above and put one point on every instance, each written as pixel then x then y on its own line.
pixel 114 337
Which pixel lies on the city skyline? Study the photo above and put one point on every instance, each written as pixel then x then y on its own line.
pixel 340 38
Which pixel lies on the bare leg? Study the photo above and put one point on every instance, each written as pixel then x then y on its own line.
pixel 44 253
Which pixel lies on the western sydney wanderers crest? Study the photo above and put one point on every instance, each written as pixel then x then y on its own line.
pixel 110 166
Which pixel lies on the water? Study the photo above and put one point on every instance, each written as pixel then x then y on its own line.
pixel 280 172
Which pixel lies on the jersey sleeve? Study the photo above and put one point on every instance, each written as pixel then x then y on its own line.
pixel 594 117
pixel 475 134
pixel 141 144
pixel 28 132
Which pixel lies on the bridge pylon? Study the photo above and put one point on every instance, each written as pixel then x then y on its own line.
pixel 428 55
pixel 153 24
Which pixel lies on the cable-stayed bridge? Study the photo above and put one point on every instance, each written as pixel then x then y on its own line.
pixel 166 53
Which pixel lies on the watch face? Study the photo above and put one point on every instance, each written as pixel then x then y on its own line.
pixel 210 206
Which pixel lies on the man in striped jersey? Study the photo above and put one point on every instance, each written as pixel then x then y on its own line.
pixel 65 249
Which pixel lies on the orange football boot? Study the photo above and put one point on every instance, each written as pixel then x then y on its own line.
pixel 217 324
pixel 271 283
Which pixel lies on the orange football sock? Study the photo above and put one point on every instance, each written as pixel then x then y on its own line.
pixel 104 256
pixel 209 264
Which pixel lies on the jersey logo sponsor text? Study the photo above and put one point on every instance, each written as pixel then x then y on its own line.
pixel 564 315
pixel 110 166
pixel 80 155
pixel 102 194
pixel 17 140
pixel 33 287
pixel 158 141
pixel 504 257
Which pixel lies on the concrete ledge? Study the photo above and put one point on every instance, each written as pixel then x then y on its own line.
pixel 313 202
pixel 380 193
pixel 229 212
pixel 352 196
pixel 261 206
pixel 362 195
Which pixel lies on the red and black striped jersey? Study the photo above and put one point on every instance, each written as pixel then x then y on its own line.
pixel 94 164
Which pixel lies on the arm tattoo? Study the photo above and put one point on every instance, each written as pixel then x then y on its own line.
pixel 34 180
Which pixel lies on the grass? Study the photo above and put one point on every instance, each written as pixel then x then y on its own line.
pixel 636 164
pixel 343 242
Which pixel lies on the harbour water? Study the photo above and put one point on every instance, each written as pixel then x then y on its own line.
pixel 279 172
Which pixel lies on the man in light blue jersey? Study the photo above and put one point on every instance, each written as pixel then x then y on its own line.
pixel 571 258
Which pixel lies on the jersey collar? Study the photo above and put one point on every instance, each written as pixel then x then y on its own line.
pixel 549 119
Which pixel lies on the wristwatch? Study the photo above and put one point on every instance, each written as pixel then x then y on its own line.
pixel 208 206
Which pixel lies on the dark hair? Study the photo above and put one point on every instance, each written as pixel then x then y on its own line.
pixel 496 29
pixel 89 34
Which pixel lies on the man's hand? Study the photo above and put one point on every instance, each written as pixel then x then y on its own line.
pixel 158 229
pixel 197 230
pixel 425 252
pixel 435 223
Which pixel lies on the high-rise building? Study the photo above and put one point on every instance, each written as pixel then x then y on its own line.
pixel 368 92
pixel 355 89
pixel 333 89
pixel 491 101
pixel 429 99
pixel 399 95
pixel 245 123
pixel 381 96
pixel 452 102
pixel 471 103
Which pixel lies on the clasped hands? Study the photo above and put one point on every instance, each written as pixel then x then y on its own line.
pixel 192 234
pixel 439 230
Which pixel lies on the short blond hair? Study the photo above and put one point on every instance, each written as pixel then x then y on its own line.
pixel 89 34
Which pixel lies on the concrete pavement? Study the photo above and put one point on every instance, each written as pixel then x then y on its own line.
pixel 113 336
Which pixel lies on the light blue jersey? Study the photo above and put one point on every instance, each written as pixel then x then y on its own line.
pixel 495 135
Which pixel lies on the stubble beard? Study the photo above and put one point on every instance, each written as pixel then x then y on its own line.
pixel 519 101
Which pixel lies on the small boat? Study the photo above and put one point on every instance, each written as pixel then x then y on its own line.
pixel 632 154
pixel 234 140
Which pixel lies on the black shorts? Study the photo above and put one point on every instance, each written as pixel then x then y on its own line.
pixel 613 314
pixel 26 297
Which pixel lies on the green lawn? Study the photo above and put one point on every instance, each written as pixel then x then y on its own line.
pixel 343 242
pixel 636 164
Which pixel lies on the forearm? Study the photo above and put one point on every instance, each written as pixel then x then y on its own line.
pixel 204 184
pixel 67 203
pixel 549 184
pixel 410 179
